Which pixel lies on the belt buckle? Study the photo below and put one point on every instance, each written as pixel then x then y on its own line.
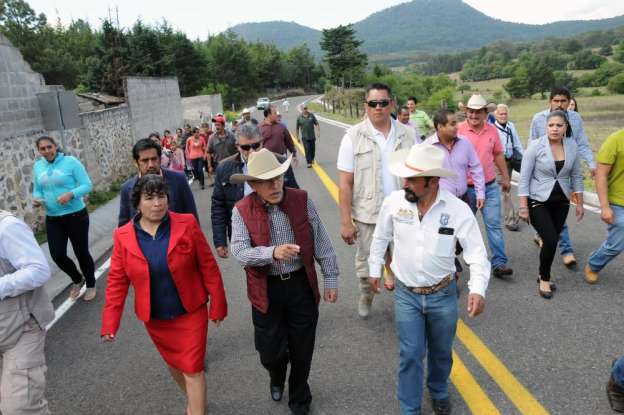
pixel 285 277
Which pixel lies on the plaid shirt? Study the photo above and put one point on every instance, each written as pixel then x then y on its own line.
pixel 282 233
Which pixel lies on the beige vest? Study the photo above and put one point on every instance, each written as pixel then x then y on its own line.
pixel 367 172
pixel 16 311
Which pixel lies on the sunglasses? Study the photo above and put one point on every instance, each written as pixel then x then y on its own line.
pixel 248 147
pixel 373 103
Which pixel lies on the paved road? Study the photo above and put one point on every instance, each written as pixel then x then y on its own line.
pixel 525 355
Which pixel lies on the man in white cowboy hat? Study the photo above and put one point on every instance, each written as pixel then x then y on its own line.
pixel 424 222
pixel 277 245
pixel 484 137
pixel 364 179
pixel 246 117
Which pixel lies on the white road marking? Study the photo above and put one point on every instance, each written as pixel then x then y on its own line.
pixel 67 304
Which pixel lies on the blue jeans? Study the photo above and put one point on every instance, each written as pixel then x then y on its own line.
pixel 424 323
pixel 565 244
pixel 618 371
pixel 614 243
pixel 492 218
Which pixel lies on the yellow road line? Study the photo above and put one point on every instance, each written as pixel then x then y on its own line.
pixel 476 399
pixel 518 394
pixel 474 396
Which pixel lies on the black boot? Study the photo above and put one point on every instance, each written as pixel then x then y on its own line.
pixel 615 394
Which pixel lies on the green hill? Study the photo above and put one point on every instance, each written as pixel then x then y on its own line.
pixel 284 35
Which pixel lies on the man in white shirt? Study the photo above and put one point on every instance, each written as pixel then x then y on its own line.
pixel 424 222
pixel 364 179
pixel 25 311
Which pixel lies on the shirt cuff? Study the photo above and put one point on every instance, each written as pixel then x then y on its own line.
pixel 330 282
pixel 375 269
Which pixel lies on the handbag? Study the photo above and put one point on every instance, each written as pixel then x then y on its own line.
pixel 516 157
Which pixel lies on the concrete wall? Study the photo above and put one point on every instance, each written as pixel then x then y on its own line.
pixel 154 104
pixel 201 108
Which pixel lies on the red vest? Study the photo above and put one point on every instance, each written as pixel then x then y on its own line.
pixel 254 213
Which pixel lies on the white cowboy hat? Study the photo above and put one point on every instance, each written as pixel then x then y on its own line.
pixel 422 160
pixel 262 165
pixel 476 102
pixel 246 111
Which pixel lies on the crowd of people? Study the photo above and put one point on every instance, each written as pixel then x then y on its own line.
pixel 409 192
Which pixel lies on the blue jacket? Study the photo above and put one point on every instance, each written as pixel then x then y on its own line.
pixel 180 196
pixel 225 195
pixel 538 173
pixel 64 174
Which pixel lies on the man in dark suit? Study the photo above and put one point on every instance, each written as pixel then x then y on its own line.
pixel 146 154
pixel 225 194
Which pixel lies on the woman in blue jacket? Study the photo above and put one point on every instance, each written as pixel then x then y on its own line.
pixel 549 177
pixel 60 182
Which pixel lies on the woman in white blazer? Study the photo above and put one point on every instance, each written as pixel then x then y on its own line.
pixel 549 177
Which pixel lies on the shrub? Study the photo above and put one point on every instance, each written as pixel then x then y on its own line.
pixel 616 84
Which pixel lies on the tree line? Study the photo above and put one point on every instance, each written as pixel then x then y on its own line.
pixel 79 56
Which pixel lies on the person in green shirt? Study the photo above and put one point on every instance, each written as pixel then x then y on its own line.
pixel 308 131
pixel 419 117
pixel 610 188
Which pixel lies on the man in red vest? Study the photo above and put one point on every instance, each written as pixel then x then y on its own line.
pixel 277 245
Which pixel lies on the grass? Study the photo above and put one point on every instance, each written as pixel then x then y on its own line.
pixel 94 200
pixel 318 109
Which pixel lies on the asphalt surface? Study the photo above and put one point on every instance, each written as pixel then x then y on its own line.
pixel 559 350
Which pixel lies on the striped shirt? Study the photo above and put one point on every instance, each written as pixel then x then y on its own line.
pixel 282 233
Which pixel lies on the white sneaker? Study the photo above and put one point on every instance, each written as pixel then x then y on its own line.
pixel 364 305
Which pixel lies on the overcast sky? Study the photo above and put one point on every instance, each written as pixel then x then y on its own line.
pixel 200 18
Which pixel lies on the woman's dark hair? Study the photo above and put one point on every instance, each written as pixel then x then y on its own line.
pixel 50 139
pixel 564 116
pixel 194 130
pixel 576 108
pixel 145 144
pixel 150 184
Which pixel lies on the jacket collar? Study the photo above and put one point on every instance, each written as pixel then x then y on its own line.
pixel 178 229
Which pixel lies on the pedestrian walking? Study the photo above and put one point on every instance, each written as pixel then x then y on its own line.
pixel 550 174
pixel 246 117
pixel 221 144
pixel 59 184
pixel 25 311
pixel 286 105
pixel 166 258
pixel 610 188
pixel 146 155
pixel 559 101
pixel 512 147
pixel 276 137
pixel 419 117
pixel 309 131
pixel 403 116
pixel 196 149
pixel 424 223
pixel 277 235
pixel 177 162
pixel 484 137
pixel 364 180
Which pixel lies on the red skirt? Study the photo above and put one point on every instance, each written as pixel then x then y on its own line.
pixel 181 341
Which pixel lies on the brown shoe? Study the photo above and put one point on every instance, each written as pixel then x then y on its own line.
pixel 591 277
pixel 569 261
pixel 615 394
pixel 89 294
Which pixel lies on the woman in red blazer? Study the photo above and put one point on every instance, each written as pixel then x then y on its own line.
pixel 166 258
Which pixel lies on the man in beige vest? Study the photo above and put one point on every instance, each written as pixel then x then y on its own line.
pixel 25 311
pixel 365 180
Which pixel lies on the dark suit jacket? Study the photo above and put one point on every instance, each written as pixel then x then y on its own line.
pixel 180 196
pixel 192 265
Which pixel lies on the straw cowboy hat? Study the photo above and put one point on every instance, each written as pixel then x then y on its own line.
pixel 476 102
pixel 422 160
pixel 262 165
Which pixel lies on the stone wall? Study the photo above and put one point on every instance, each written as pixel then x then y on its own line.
pixel 154 104
pixel 201 108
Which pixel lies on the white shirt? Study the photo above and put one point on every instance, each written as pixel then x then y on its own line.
pixel 346 159
pixel 19 247
pixel 422 256
pixel 246 188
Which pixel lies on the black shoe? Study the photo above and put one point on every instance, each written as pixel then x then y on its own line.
pixel 309 165
pixel 441 406
pixel 301 409
pixel 544 294
pixel 277 392
pixel 502 271
pixel 615 394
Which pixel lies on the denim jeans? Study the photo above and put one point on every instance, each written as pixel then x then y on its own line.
pixel 424 323
pixel 565 244
pixel 618 371
pixel 614 243
pixel 492 219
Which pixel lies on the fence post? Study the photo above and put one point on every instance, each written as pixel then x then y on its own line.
pixel 333 106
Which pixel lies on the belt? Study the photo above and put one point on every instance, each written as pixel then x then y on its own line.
pixel 287 275
pixel 432 289
pixel 487 184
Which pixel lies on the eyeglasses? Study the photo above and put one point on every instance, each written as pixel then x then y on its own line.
pixel 248 147
pixel 373 103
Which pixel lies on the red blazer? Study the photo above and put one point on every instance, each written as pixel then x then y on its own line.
pixel 193 268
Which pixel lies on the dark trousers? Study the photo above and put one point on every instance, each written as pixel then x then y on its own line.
pixel 310 150
pixel 548 219
pixel 75 227
pixel 286 333
pixel 198 170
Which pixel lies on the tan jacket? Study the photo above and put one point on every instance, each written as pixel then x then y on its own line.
pixel 367 170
